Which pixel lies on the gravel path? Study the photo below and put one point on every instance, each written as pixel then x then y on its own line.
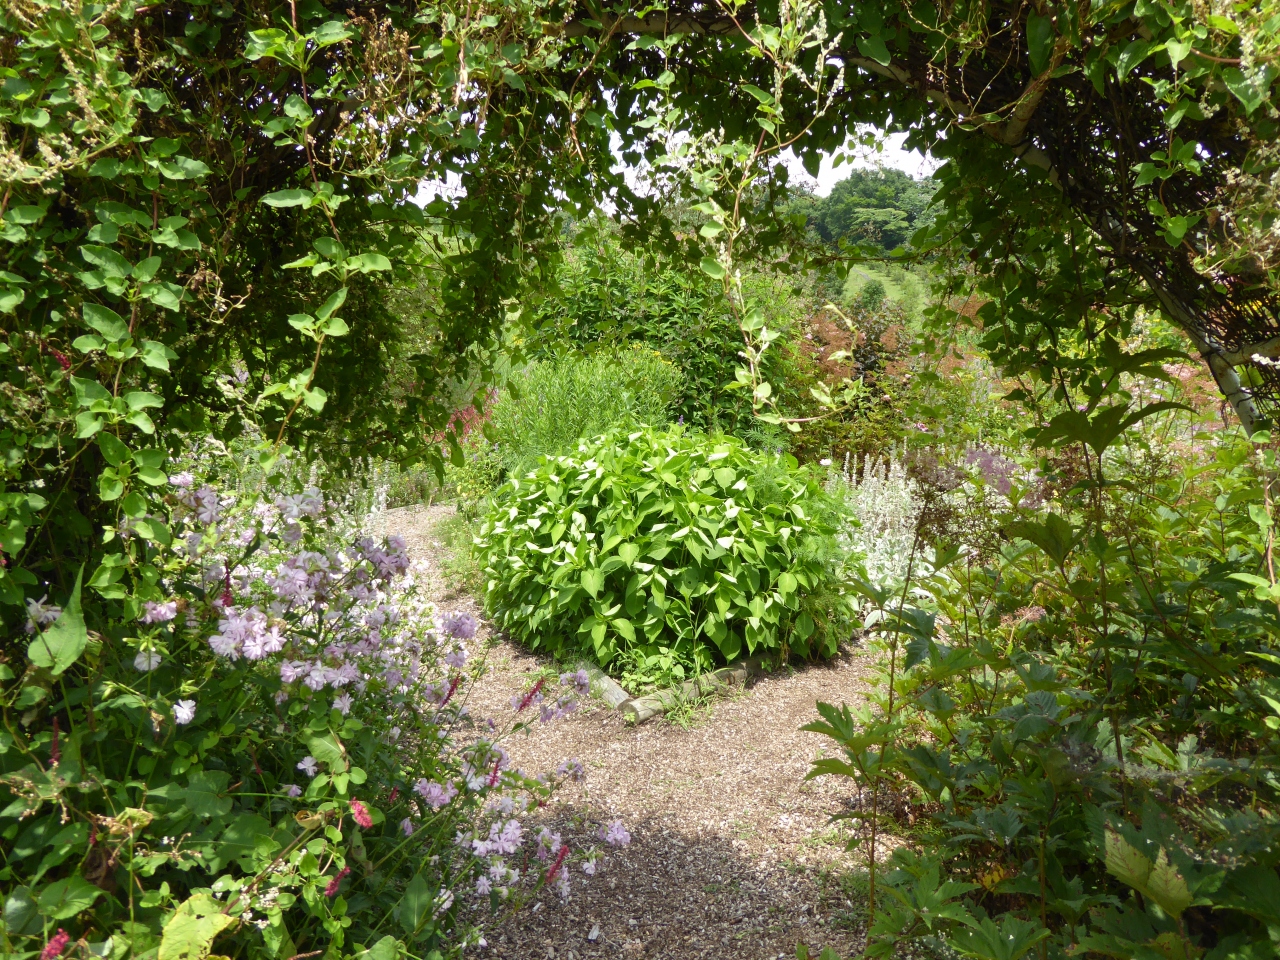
pixel 730 845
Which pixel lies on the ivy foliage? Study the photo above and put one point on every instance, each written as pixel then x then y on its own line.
pixel 665 542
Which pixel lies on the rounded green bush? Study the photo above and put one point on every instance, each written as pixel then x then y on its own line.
pixel 662 540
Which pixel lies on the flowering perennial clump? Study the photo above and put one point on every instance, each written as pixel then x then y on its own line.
pixel 281 660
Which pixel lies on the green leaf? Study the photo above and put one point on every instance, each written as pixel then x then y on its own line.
pixel 156 355
pixel 106 321
pixel 330 306
pixel 368 262
pixel 1160 881
pixel 592 581
pixel 24 214
pixel 112 449
pixel 331 32
pixel 106 259
pixel 190 932
pixel 60 645
pixel 142 400
pixel 1250 89
pixel 713 268
pixel 329 751
pixel 415 907
pixel 204 793
pixel 1040 39
pixel 64 899
pixel 288 198
pixel 873 47
pixel 1012 939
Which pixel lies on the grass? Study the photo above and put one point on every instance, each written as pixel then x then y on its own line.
pixel 458 563
pixel 899 284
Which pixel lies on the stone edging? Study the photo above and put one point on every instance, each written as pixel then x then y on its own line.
pixel 639 709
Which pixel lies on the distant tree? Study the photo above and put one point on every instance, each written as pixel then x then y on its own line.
pixel 881 206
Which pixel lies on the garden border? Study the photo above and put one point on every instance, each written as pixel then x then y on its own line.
pixel 636 710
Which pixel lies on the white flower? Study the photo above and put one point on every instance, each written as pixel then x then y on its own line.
pixel 146 661
pixel 41 613
pixel 309 766
pixel 343 704
pixel 184 711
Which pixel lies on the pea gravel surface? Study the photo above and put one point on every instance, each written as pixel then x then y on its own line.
pixel 733 853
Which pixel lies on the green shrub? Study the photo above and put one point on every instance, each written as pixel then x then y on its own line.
pixel 608 295
pixel 555 402
pixel 662 538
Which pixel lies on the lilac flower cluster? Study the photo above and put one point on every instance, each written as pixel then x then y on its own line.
pixel 347 624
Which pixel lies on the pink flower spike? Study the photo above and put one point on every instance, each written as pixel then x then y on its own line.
pixel 57 943
pixel 332 889
pixel 360 813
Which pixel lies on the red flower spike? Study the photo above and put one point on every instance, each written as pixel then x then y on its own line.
pixel 453 686
pixel 57 943
pixel 555 867
pixel 528 697
pixel 332 889
pixel 360 814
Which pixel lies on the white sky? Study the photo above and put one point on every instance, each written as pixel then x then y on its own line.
pixel 891 154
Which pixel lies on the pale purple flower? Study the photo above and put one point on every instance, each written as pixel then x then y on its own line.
pixel 159 612
pixel 483 886
pixel 434 794
pixel 343 704
pixel 182 480
pixel 461 626
pixel 580 681
pixel 208 510
pixel 293 790
pixel 309 766
pixel 184 711
pixel 146 661
pixel 243 634
pixel 406 826
pixel 456 658
pixel 616 834
pixel 291 670
pixel 317 677
pixel 573 769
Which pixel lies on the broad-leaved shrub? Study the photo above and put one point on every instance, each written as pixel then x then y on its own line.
pixel 664 538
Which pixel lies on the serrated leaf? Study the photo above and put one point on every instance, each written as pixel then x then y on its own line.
pixel 190 932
